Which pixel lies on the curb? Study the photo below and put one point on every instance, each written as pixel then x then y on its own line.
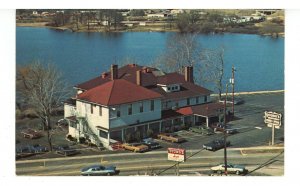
pixel 266 148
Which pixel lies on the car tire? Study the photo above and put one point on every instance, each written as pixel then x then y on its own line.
pixel 238 173
pixel 108 174
pixel 219 172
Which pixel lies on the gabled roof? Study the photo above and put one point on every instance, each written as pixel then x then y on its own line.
pixel 127 72
pixel 117 92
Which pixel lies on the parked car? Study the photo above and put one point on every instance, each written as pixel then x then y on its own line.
pixel 135 147
pixel 221 127
pixel 216 145
pixel 237 101
pixel 99 170
pixel 202 130
pixel 39 148
pixel 151 143
pixel 31 133
pixel 62 123
pixel 231 168
pixel 65 150
pixel 29 150
pixel 170 137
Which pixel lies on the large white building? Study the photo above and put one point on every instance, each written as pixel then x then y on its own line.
pixel 133 102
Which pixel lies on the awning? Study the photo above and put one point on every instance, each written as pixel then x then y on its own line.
pixel 206 110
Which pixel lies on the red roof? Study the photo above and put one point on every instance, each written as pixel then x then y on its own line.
pixel 209 109
pixel 117 92
pixel 127 72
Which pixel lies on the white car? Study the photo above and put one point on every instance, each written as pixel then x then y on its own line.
pixel 98 170
pixel 235 169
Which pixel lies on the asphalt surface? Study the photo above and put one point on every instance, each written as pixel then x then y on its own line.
pixel 251 132
pixel 197 162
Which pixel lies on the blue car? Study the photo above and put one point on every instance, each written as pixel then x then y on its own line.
pixel 99 170
pixel 151 143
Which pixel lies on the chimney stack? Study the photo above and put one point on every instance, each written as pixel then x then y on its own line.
pixel 114 72
pixel 139 77
pixel 188 74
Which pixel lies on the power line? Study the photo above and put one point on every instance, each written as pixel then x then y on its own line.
pixel 265 163
pixel 177 163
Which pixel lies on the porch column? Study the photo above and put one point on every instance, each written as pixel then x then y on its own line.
pixel 122 135
pixel 194 120
pixel 160 126
pixel 108 137
pixel 207 121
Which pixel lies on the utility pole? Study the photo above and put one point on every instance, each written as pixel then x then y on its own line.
pixel 232 83
pixel 225 132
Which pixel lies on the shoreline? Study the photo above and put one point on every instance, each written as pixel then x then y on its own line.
pixel 252 92
pixel 139 29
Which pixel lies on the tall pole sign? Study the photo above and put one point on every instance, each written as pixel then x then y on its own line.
pixel 273 119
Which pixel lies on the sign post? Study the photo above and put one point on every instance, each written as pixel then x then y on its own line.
pixel 273 119
pixel 177 155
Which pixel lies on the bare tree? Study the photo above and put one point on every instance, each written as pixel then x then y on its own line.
pixel 44 89
pixel 181 51
pixel 184 50
pixel 211 67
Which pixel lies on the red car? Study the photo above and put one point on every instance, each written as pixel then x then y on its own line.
pixel 32 134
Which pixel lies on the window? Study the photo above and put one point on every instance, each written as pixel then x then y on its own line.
pixel 118 112
pixel 173 88
pixel 100 110
pixel 176 104
pixel 152 105
pixel 197 100
pixel 103 134
pixel 141 107
pixel 92 109
pixel 169 88
pixel 188 101
pixel 130 109
pixel 168 104
pixel 205 98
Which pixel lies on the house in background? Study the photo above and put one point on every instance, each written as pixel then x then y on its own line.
pixel 133 102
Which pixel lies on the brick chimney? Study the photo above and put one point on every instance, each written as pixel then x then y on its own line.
pixel 104 75
pixel 114 72
pixel 139 77
pixel 188 74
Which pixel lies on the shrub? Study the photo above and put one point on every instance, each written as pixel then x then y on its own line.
pixel 128 138
pixel 81 140
pixel 150 133
pixel 137 136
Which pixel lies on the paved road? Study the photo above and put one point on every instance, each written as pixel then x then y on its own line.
pixel 198 162
pixel 252 132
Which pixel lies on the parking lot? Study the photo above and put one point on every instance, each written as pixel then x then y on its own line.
pixel 248 121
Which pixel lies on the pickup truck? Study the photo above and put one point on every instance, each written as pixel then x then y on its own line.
pixel 170 137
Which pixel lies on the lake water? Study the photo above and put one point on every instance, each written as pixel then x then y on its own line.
pixel 259 60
